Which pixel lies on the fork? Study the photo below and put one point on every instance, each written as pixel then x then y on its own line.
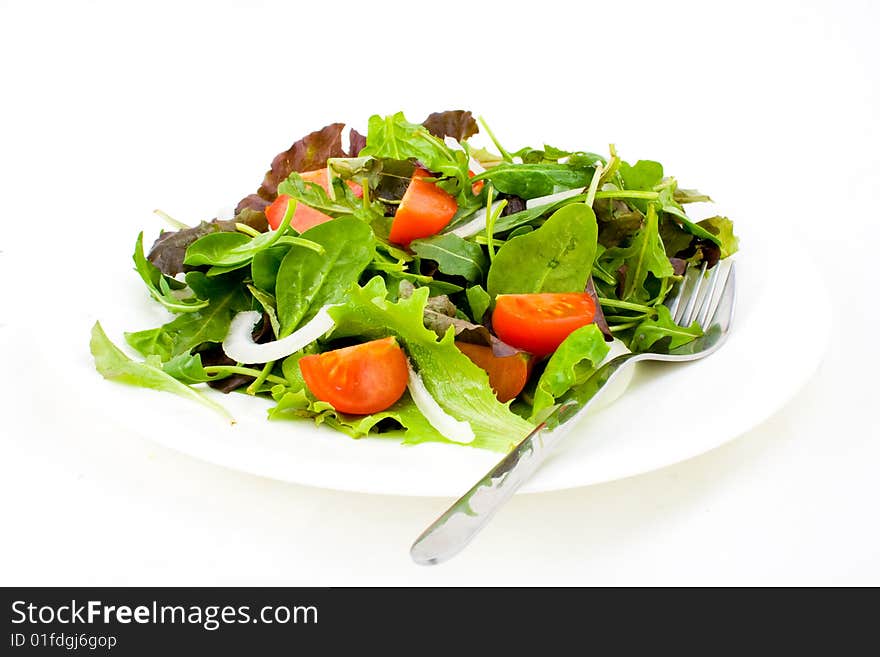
pixel 707 299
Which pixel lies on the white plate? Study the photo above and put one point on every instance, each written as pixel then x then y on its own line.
pixel 671 412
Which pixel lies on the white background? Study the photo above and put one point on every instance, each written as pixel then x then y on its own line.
pixel 110 110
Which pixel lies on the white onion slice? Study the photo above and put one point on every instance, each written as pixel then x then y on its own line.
pixel 552 198
pixel 239 344
pixel 455 430
pixel 474 226
pixel 473 164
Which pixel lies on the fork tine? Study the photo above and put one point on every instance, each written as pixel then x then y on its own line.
pixel 679 293
pixel 725 278
pixel 686 318
pixel 706 301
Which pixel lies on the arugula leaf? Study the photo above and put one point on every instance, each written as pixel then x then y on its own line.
pixel 722 229
pixel 158 286
pixel 396 138
pixel 113 364
pixel 570 365
pixel 313 195
pixel 307 281
pixel 557 257
pixel 534 180
pixel 652 330
pixel 226 296
pixel 267 301
pixel 459 386
pixel 188 368
pixel 453 255
pixel 523 217
pixel 479 301
pixel 645 255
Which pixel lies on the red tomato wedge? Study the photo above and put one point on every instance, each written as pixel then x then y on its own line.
pixel 305 217
pixel 425 210
pixel 507 374
pixel 538 323
pixel 476 187
pixel 363 379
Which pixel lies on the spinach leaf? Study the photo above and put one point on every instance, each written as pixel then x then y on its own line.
pixel 643 175
pixel 570 365
pixel 557 257
pixel 453 255
pixel 233 250
pixel 264 267
pixel 307 281
pixel 215 249
pixel 112 364
pixel 652 330
pixel 533 180
pixel 158 286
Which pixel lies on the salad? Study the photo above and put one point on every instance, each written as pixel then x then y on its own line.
pixel 408 283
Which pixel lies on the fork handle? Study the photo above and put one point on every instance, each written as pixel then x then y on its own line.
pixel 462 521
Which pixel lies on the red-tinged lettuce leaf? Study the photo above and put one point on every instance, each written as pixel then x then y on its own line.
pixel 356 143
pixel 599 318
pixel 252 202
pixel 169 249
pixel 458 124
pixel 309 153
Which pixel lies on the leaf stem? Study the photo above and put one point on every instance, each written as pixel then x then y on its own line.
pixel 627 193
pixel 171 220
pixel 490 224
pixel 247 371
pixel 623 327
pixel 495 141
pixel 260 380
pixel 247 230
pixel 594 184
pixel 625 305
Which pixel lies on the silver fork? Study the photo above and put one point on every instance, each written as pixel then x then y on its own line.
pixel 710 300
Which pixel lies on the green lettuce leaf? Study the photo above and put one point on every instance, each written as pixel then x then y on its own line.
pixel 460 387
pixel 722 229
pixel 112 364
pixel 570 365
pixel 414 427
